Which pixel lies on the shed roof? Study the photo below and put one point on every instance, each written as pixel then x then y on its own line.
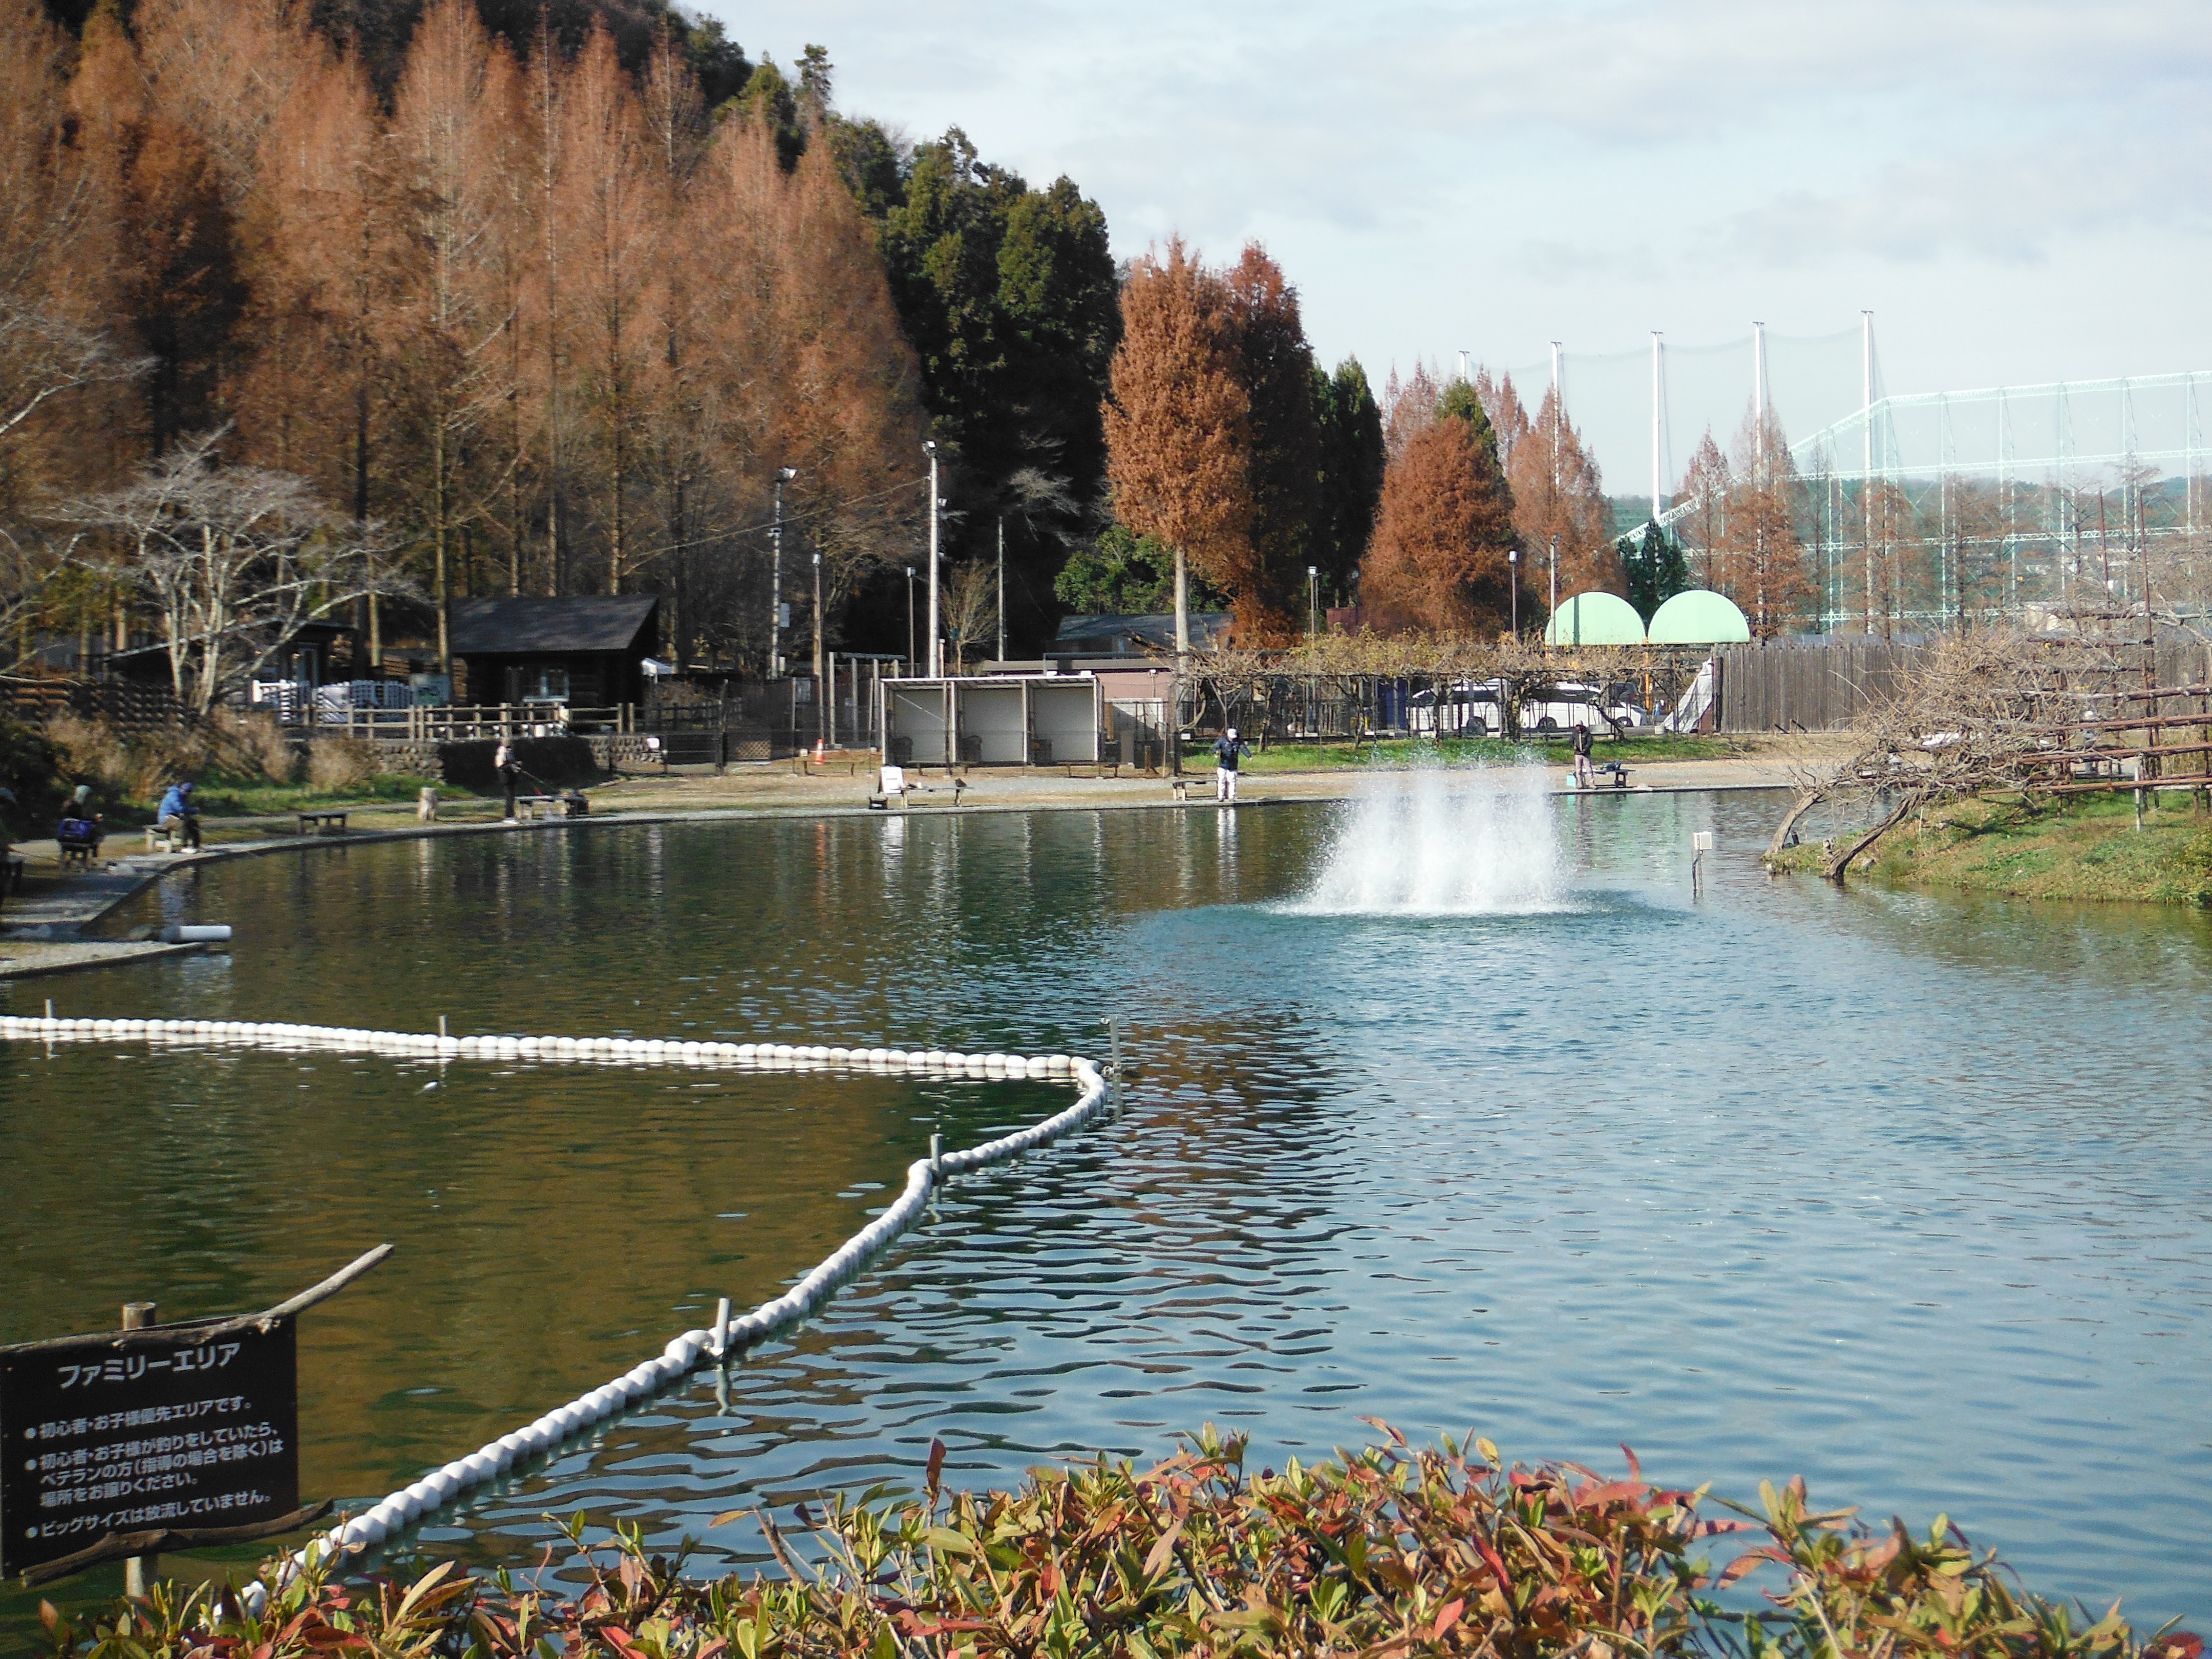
pixel 1595 619
pixel 505 628
pixel 1699 617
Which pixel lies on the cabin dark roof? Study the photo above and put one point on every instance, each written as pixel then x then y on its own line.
pixel 508 628
pixel 1135 634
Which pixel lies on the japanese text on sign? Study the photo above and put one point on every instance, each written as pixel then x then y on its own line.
pixel 162 1429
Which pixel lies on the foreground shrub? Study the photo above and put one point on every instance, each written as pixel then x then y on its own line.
pixel 1388 1552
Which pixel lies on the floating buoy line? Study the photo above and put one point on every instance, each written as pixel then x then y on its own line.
pixel 685 1353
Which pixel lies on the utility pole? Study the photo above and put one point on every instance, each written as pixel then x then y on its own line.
pixel 1002 588
pixel 1866 461
pixel 1758 465
pixel 784 475
pixel 936 656
pixel 1559 419
pixel 821 701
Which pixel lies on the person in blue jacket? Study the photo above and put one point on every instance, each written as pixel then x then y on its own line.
pixel 178 816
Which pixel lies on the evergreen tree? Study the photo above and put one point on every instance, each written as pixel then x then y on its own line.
pixel 1655 569
pixel 1353 461
pixel 1123 574
pixel 1009 296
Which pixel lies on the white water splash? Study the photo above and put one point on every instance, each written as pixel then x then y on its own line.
pixel 1437 842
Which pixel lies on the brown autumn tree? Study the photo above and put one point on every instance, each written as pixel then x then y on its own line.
pixel 673 441
pixel 1283 466
pixel 614 216
pixel 1408 407
pixel 796 360
pixel 1509 415
pixel 455 133
pixel 544 314
pixel 1439 559
pixel 1704 496
pixel 1558 493
pixel 1178 423
pixel 165 272
pixel 1761 562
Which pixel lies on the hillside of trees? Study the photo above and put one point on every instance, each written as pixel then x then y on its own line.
pixel 527 320
pixel 389 302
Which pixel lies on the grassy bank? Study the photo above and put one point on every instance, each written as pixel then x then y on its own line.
pixel 246 798
pixel 2087 849
pixel 1456 751
pixel 1391 1554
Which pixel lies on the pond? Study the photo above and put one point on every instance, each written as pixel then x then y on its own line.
pixel 1452 1109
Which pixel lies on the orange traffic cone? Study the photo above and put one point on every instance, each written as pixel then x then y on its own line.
pixel 821 749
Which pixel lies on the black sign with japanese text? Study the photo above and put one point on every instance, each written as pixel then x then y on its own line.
pixel 176 1426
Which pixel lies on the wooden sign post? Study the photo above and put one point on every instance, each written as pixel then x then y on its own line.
pixel 153 1439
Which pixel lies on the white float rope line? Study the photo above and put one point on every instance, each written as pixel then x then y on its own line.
pixel 935 1062
pixel 683 1354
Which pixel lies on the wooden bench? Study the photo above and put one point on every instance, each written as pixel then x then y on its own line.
pixel 1619 770
pixel 159 840
pixel 321 824
pixel 540 806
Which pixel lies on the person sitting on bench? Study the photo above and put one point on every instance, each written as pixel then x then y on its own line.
pixel 179 818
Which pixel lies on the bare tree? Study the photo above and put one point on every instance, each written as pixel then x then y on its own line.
pixel 1984 713
pixel 972 609
pixel 43 357
pixel 231 560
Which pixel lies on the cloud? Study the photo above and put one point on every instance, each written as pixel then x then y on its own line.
pixel 1494 173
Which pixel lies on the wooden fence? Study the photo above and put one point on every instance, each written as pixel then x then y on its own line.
pixel 1820 684
pixel 126 707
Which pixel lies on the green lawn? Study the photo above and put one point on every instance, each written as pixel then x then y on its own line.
pixel 218 799
pixel 2087 849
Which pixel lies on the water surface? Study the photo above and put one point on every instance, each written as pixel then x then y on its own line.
pixel 1475 1121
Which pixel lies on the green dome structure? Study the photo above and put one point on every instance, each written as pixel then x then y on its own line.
pixel 1595 619
pixel 1699 617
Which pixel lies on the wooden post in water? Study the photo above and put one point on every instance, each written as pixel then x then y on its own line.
pixel 137 1569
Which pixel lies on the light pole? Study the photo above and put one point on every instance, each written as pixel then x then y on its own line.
pixel 1002 588
pixel 1513 584
pixel 1312 598
pixel 909 619
pixel 1555 575
pixel 936 656
pixel 784 475
pixel 821 701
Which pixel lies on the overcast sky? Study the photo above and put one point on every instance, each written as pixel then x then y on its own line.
pixel 2018 191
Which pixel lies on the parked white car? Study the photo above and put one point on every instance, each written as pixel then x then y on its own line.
pixel 1466 709
pixel 1570 705
pixel 1471 708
